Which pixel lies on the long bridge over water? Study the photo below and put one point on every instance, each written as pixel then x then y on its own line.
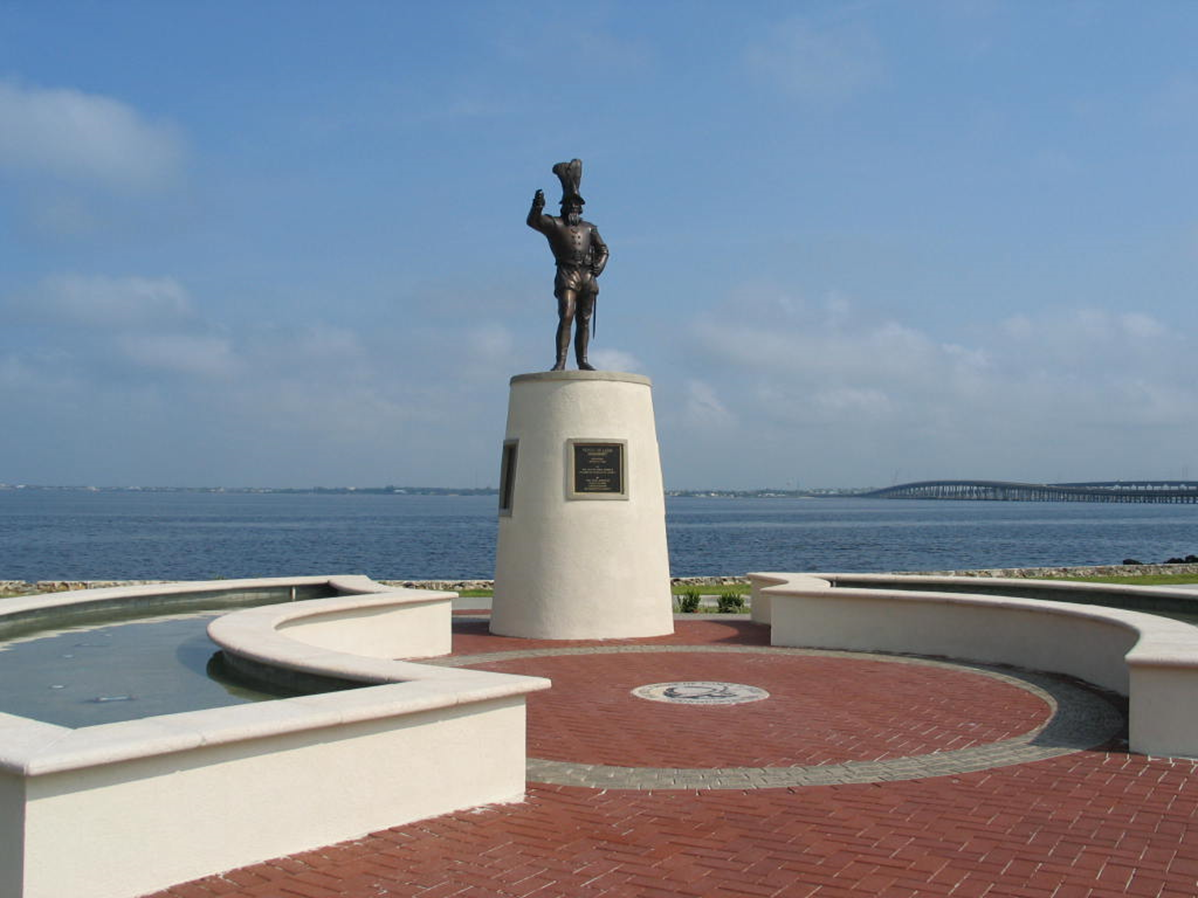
pixel 1166 491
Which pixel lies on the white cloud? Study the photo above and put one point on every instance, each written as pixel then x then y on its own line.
pixel 257 404
pixel 1141 326
pixel 850 396
pixel 808 341
pixel 69 134
pixel 1084 336
pixel 853 400
pixel 489 341
pixel 1018 327
pixel 615 360
pixel 324 411
pixel 103 302
pixel 828 64
pixel 197 355
pixel 335 343
pixel 704 408
pixel 38 375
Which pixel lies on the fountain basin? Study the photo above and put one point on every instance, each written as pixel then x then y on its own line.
pixel 122 809
pixel 91 674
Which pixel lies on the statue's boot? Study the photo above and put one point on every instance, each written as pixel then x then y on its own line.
pixel 581 340
pixel 563 347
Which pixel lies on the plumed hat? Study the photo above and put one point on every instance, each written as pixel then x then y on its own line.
pixel 570 174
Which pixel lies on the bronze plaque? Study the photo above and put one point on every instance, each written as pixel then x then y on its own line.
pixel 599 468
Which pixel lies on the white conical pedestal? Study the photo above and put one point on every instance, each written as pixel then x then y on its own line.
pixel 582 533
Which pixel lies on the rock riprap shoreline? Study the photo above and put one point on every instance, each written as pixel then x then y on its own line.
pixel 25 587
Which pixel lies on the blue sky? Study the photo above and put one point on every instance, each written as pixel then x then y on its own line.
pixel 853 243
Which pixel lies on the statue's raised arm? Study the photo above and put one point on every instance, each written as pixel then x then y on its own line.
pixel 537 213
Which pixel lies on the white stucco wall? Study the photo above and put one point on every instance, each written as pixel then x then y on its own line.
pixel 118 830
pixel 404 628
pixel 574 567
pixel 1150 659
pixel 12 832
pixel 1091 648
pixel 1163 706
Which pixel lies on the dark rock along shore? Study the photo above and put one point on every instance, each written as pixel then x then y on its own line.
pixel 23 587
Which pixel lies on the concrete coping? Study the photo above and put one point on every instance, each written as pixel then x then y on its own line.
pixel 1079 588
pixel 566 376
pixel 30 614
pixel 1159 641
pixel 112 596
pixel 32 748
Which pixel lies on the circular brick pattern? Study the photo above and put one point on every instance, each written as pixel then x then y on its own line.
pixel 822 710
pixel 833 717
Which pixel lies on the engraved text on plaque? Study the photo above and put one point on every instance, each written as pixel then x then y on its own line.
pixel 598 469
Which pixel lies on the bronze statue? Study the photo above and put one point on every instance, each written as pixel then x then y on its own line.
pixel 580 254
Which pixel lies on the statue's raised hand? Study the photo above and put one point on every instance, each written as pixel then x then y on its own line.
pixel 538 199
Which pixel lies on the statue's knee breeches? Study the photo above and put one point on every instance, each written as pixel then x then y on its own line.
pixel 586 305
pixel 566 305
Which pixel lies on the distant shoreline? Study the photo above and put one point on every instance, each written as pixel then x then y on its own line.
pixel 412 491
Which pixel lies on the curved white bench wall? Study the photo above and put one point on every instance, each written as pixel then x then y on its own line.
pixel 123 809
pixel 1150 659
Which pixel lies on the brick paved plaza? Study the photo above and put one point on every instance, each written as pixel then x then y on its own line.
pixel 858 776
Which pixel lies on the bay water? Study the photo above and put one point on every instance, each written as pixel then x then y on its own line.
pixel 119 535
